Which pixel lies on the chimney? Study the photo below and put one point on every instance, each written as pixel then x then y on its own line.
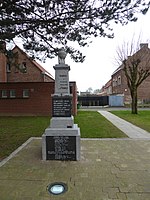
pixel 143 45
pixel 3 60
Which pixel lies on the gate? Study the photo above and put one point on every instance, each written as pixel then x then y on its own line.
pixel 116 100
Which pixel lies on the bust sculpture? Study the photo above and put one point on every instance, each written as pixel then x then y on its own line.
pixel 61 55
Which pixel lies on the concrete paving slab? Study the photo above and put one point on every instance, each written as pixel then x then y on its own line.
pixel 108 169
pixel 129 129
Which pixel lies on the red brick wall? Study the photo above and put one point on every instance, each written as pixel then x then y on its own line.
pixel 143 90
pixel 3 77
pixel 33 74
pixel 120 88
pixel 39 101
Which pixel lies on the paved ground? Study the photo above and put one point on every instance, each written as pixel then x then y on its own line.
pixel 109 169
pixel 129 129
pixel 107 108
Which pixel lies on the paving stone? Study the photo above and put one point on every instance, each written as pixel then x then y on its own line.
pixel 121 196
pixel 108 170
pixel 138 196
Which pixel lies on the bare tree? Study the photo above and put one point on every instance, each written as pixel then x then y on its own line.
pixel 89 90
pixel 135 59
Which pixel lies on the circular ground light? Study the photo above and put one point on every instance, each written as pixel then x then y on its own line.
pixel 57 188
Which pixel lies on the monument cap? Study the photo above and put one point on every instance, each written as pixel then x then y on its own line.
pixel 61 55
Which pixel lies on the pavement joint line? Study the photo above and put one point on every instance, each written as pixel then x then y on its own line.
pixel 17 150
pixel 131 130
pixel 115 139
pixel 5 160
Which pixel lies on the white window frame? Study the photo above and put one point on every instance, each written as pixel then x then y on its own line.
pixel 4 94
pixel 119 80
pixel 8 67
pixel 25 93
pixel 12 93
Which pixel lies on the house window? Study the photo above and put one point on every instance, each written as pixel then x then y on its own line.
pixel 116 82
pixel 25 93
pixel 24 67
pixel 119 80
pixel 8 67
pixel 4 93
pixel 12 93
pixel 113 82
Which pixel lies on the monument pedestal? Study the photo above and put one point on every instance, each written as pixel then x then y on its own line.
pixel 61 143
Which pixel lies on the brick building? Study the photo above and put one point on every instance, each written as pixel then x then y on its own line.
pixel 26 87
pixel 107 89
pixel 19 67
pixel 119 82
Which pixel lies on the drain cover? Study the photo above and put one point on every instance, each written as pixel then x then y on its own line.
pixel 57 188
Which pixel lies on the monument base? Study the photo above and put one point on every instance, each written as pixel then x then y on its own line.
pixel 62 122
pixel 61 144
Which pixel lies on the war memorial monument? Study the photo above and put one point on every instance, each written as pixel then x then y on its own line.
pixel 61 141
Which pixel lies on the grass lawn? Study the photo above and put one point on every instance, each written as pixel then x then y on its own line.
pixel 94 125
pixel 142 119
pixel 16 130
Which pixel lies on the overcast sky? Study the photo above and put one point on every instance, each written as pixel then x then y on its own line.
pixel 98 66
pixel 99 63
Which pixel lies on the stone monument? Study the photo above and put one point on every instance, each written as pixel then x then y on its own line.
pixel 61 141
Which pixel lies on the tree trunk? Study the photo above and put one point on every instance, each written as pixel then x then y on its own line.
pixel 134 102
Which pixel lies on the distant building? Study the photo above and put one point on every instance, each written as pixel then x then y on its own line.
pixel 85 93
pixel 118 83
pixel 107 89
